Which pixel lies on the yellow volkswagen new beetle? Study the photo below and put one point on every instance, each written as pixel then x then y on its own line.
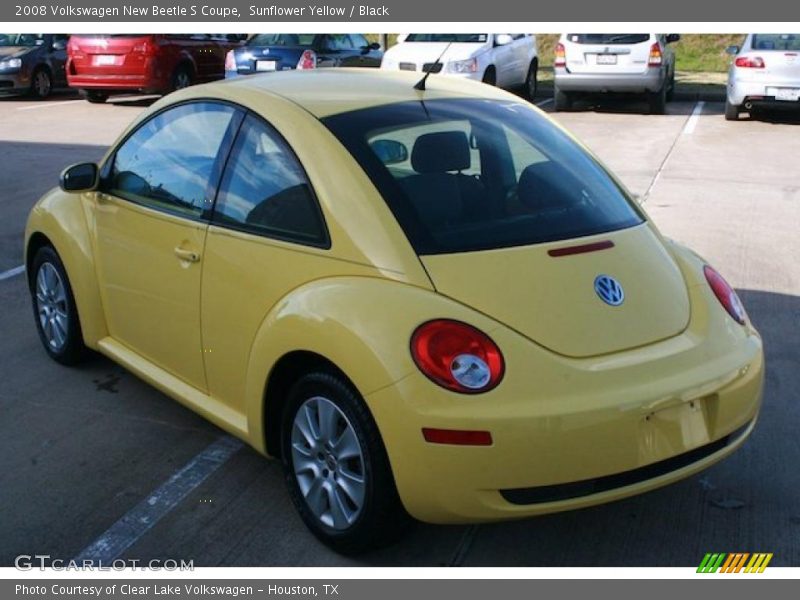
pixel 428 302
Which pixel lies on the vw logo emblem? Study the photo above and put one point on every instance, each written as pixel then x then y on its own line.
pixel 609 290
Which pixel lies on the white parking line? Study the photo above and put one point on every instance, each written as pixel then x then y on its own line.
pixel 691 123
pixel 47 105
pixel 142 517
pixel 12 272
pixel 544 102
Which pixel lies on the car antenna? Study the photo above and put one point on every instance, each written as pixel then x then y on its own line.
pixel 420 85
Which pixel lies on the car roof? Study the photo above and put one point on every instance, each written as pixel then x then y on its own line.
pixel 325 92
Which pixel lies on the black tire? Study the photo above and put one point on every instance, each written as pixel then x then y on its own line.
pixel 490 76
pixel 561 100
pixel 382 518
pixel 72 350
pixel 731 111
pixel 671 88
pixel 532 80
pixel 657 101
pixel 41 83
pixel 182 77
pixel 94 97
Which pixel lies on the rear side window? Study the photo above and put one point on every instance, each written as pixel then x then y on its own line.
pixel 167 163
pixel 464 175
pixel 265 190
pixel 608 38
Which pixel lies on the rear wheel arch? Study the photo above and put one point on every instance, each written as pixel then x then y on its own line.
pixel 284 374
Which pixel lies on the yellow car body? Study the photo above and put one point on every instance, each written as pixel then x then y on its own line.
pixel 591 408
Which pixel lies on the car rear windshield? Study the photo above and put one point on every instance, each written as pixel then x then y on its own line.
pixel 608 38
pixel 776 41
pixel 282 39
pixel 459 38
pixel 472 174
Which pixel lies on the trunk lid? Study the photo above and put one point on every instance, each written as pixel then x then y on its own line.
pixel 253 59
pixel 552 299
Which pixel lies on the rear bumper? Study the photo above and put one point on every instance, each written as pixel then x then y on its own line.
pixel 119 83
pixel 648 81
pixel 761 93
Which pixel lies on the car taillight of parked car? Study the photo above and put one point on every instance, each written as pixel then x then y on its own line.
pixel 457 356
pixel 656 58
pixel 230 61
pixel 148 48
pixel 726 295
pixel 308 60
pixel 750 62
pixel 561 56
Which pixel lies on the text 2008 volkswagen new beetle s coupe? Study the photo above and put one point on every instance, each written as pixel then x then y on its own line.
pixel 431 302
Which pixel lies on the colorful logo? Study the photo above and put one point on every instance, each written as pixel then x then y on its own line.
pixel 734 562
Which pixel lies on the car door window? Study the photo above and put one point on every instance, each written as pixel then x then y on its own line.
pixel 265 190
pixel 168 162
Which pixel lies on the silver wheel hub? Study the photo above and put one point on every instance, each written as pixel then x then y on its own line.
pixel 328 463
pixel 51 306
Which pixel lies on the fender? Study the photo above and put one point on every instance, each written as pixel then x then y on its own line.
pixel 361 324
pixel 61 217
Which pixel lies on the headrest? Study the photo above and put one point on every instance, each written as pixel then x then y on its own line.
pixel 441 152
pixel 547 185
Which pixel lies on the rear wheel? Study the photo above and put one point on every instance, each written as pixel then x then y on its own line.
pixel 182 78
pixel 54 308
pixel 336 466
pixel 94 96
pixel 41 83
pixel 532 80
pixel 561 100
pixel 490 76
pixel 731 111
pixel 657 101
pixel 671 88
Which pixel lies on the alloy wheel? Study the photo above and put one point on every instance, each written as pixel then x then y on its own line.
pixel 328 463
pixel 51 306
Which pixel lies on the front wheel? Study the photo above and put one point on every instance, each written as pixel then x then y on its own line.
pixel 336 466
pixel 490 76
pixel 54 308
pixel 41 83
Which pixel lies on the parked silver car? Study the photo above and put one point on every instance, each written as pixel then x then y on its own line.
pixel 615 62
pixel 764 73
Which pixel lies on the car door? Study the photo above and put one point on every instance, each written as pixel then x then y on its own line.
pixel 504 62
pixel 338 51
pixel 57 58
pixel 367 57
pixel 151 208
pixel 522 56
pixel 267 237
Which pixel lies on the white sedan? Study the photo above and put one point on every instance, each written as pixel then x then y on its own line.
pixel 501 59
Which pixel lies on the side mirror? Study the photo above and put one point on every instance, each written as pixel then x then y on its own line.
pixel 390 152
pixel 374 46
pixel 79 178
pixel 502 39
pixel 673 37
pixel 732 50
pixel 59 45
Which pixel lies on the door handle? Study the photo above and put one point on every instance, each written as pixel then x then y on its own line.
pixel 187 255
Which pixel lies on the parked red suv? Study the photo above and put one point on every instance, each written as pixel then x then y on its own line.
pixel 101 65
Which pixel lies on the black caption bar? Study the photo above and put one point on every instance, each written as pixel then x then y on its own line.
pixel 474 11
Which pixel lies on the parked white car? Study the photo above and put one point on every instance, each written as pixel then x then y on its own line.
pixel 501 59
pixel 640 63
pixel 765 72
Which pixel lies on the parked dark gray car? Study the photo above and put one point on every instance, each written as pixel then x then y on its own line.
pixel 32 63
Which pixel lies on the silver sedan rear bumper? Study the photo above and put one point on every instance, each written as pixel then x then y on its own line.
pixel 648 81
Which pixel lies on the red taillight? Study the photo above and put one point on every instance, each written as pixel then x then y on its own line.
pixel 147 47
pixel 750 62
pixel 230 61
pixel 457 437
pixel 457 356
pixel 656 58
pixel 561 56
pixel 308 60
pixel 726 295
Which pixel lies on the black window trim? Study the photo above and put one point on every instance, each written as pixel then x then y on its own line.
pixel 216 170
pixel 323 243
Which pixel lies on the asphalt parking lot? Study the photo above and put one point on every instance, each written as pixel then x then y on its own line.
pixel 83 447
